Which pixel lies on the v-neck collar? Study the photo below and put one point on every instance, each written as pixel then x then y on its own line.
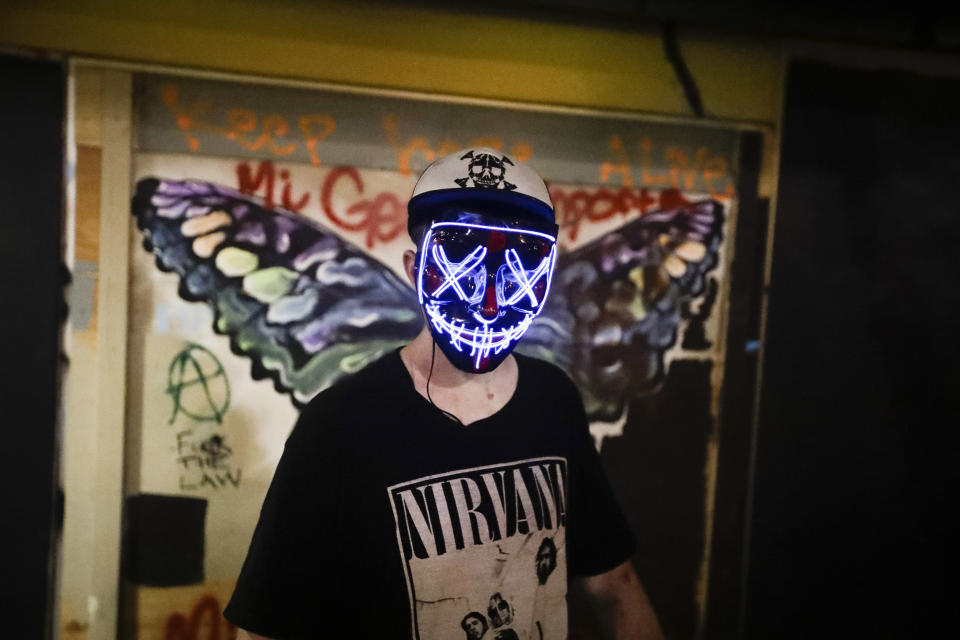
pixel 443 418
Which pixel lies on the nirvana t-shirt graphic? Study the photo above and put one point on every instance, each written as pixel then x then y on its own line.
pixel 484 551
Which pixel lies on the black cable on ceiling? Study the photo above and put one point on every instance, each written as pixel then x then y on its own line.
pixel 672 50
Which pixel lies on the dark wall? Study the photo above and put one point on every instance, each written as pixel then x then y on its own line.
pixel 857 447
pixel 31 290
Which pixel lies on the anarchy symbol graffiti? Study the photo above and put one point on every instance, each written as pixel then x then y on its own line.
pixel 198 385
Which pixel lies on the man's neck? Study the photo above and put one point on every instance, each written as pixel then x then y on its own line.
pixel 469 396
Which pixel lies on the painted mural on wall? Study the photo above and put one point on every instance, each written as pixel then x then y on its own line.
pixel 309 307
pixel 272 223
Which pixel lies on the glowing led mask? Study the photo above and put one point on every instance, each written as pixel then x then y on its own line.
pixel 481 287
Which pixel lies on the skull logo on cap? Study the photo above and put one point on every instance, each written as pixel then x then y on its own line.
pixel 486 171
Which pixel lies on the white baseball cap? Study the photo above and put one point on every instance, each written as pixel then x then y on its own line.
pixel 481 179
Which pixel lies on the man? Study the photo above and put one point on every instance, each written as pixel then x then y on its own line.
pixel 499 611
pixel 501 616
pixel 412 490
pixel 474 624
pixel 546 560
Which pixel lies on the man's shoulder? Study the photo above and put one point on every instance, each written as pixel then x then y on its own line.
pixel 545 373
pixel 357 389
pixel 335 417
pixel 553 390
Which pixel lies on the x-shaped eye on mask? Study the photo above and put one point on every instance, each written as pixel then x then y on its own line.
pixel 526 283
pixel 452 272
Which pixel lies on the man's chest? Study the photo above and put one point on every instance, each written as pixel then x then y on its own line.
pixel 468 523
pixel 486 543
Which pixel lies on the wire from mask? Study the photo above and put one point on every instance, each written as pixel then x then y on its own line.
pixel 433 355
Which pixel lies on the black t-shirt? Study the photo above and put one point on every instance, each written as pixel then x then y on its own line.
pixel 386 519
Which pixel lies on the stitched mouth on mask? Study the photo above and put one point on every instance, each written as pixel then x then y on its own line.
pixel 481 340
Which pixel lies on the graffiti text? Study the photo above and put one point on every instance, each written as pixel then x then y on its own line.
pixel 405 150
pixel 682 172
pixel 205 462
pixel 254 132
pixel 262 182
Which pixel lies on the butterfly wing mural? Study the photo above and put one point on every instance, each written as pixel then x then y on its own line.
pixel 615 304
pixel 309 307
pixel 306 306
